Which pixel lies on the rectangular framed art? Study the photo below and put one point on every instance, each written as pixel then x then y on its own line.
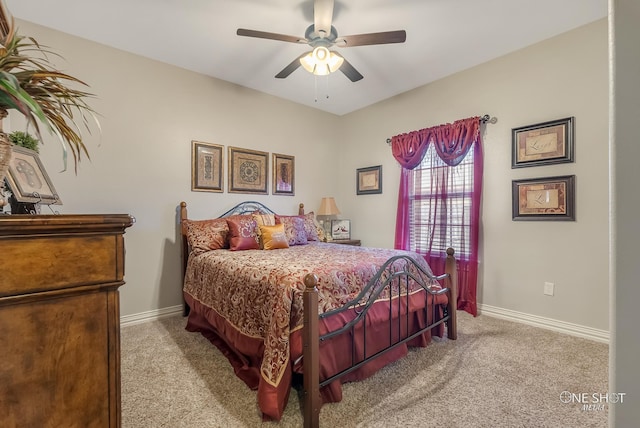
pixel 369 180
pixel 543 143
pixel 206 167
pixel 340 229
pixel 28 180
pixel 548 198
pixel 283 174
pixel 248 171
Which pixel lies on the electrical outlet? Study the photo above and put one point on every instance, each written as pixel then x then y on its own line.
pixel 548 288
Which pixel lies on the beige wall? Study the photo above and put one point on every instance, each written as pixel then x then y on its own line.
pixel 561 77
pixel 152 111
pixel 142 163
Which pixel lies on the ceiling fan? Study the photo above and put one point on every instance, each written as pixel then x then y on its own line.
pixel 321 35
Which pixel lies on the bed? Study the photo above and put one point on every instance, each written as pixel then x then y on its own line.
pixel 320 311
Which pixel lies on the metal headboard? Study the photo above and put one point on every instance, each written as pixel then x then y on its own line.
pixel 248 207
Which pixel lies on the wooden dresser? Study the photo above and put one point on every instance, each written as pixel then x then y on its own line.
pixel 59 319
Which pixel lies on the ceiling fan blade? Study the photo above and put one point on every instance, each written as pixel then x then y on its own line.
pixel 270 36
pixel 293 66
pixel 322 16
pixel 398 36
pixel 350 71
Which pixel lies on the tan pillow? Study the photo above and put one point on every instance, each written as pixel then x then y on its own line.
pixel 264 219
pixel 273 237
pixel 206 235
pixel 312 227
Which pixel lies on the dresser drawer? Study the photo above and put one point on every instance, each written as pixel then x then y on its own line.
pixel 33 264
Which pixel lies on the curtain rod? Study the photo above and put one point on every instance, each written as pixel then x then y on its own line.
pixel 484 119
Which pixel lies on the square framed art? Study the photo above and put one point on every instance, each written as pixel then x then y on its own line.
pixel 206 167
pixel 547 198
pixel 369 180
pixel 248 171
pixel 543 143
pixel 340 229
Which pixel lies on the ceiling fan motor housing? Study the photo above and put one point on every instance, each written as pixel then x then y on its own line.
pixel 316 39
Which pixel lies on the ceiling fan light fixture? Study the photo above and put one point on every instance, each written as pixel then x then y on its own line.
pixel 321 61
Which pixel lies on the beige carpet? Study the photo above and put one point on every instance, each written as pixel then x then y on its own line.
pixel 497 374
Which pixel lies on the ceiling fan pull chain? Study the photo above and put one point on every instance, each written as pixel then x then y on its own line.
pixel 327 76
pixel 315 88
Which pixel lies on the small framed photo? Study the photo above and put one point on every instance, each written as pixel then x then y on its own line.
pixel 340 229
pixel 548 198
pixel 369 180
pixel 248 171
pixel 543 143
pixel 283 174
pixel 206 167
pixel 28 179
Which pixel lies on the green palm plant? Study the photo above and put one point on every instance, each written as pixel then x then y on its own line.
pixel 31 84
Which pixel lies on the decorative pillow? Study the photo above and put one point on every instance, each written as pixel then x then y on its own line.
pixel 293 229
pixel 264 219
pixel 243 233
pixel 273 237
pixel 312 227
pixel 206 235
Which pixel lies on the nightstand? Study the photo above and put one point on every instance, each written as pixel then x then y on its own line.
pixel 355 242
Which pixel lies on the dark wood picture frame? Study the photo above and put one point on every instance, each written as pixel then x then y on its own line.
pixel 248 171
pixel 546 198
pixel 28 180
pixel 283 167
pixel 369 180
pixel 543 143
pixel 206 167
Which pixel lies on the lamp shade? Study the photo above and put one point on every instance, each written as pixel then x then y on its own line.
pixel 328 207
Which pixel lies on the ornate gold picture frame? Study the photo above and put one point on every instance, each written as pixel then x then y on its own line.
pixel 248 171
pixel 548 198
pixel 283 174
pixel 206 167
pixel 543 143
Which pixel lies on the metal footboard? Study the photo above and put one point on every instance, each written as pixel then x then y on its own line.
pixel 396 283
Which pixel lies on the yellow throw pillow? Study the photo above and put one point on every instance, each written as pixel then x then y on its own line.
pixel 273 237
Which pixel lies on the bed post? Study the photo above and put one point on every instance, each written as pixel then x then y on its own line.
pixel 452 306
pixel 301 209
pixel 184 247
pixel 310 359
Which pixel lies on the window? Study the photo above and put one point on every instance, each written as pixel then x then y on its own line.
pixel 440 200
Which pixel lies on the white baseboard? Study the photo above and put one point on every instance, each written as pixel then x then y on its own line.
pixel 492 311
pixel 547 323
pixel 142 317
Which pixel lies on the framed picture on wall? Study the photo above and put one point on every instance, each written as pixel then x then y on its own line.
pixel 248 171
pixel 283 174
pixel 543 143
pixel 369 180
pixel 206 167
pixel 548 198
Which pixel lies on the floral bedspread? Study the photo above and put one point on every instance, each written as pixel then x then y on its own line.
pixel 260 292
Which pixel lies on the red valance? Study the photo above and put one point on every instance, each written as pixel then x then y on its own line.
pixel 452 142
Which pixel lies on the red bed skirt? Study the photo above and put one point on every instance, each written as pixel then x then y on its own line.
pixel 245 353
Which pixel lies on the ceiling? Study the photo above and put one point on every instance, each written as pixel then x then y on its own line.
pixel 443 37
